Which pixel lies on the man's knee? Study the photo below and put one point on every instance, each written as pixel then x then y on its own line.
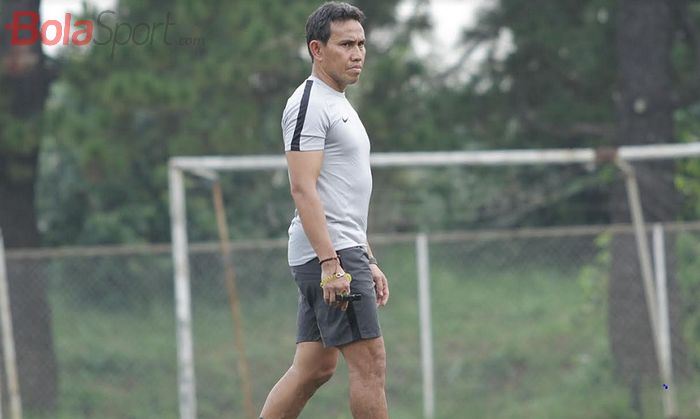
pixel 318 374
pixel 323 373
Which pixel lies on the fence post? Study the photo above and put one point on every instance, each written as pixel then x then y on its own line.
pixel 664 332
pixel 8 341
pixel 426 334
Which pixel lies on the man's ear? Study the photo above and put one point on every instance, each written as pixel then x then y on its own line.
pixel 315 47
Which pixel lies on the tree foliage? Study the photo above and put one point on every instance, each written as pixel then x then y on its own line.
pixel 117 116
pixel 24 79
pixel 547 79
pixel 598 73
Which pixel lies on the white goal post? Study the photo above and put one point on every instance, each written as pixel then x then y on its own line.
pixel 209 166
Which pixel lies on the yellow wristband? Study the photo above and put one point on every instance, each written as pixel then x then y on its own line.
pixel 331 277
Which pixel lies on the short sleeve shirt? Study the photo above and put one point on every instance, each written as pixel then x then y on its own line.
pixel 317 117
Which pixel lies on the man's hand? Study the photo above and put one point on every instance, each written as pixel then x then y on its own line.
pixel 339 285
pixel 381 285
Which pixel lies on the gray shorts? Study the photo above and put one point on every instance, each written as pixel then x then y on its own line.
pixel 317 320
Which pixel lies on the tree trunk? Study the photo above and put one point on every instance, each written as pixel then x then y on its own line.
pixel 24 83
pixel 645 116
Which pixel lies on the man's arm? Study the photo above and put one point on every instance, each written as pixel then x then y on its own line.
pixel 372 258
pixel 381 284
pixel 304 169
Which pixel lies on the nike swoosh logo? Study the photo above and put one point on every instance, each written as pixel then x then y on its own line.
pixel 345 119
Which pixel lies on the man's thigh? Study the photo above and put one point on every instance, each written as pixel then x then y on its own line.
pixel 366 356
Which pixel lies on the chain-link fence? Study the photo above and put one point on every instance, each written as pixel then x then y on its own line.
pixel 526 324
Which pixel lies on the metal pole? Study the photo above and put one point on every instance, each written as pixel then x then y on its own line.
pixel 3 279
pixel 669 400
pixel 183 314
pixel 426 334
pixel 647 273
pixel 8 341
pixel 454 158
pixel 642 247
pixel 230 273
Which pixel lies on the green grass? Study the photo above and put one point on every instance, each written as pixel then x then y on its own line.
pixel 507 344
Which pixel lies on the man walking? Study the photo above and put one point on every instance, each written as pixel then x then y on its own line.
pixel 327 150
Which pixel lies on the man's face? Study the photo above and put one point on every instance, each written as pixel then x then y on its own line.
pixel 343 55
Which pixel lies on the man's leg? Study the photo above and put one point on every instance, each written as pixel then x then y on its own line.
pixel 313 365
pixel 366 361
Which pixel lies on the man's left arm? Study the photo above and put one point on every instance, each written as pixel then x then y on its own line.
pixel 381 285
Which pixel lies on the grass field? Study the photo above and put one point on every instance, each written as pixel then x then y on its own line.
pixel 518 343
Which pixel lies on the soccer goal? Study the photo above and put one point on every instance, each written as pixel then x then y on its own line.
pixel 623 157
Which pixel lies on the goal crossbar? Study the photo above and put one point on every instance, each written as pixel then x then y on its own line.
pixel 208 166
pixel 457 158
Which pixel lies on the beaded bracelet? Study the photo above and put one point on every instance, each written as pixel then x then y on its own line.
pixel 336 275
pixel 328 259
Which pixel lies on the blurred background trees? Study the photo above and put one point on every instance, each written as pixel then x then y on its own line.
pixel 25 76
pixel 599 73
pixel 547 79
pixel 117 117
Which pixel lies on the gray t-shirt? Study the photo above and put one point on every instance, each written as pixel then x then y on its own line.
pixel 318 117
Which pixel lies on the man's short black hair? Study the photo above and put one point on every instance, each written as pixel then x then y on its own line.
pixel 318 26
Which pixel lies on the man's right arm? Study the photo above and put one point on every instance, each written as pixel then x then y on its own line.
pixel 304 169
